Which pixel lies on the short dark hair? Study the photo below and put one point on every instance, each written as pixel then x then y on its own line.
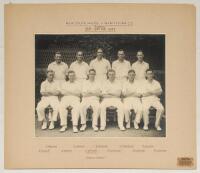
pixel 92 70
pixel 111 70
pixel 120 50
pixel 57 52
pixel 131 70
pixel 49 71
pixel 140 50
pixel 79 51
pixel 71 71
pixel 149 70
pixel 99 48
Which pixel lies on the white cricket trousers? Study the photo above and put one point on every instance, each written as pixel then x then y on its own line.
pixel 85 104
pixel 135 104
pixel 155 103
pixel 44 103
pixel 116 102
pixel 67 101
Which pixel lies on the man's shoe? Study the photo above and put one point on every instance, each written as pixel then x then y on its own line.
pixel 102 128
pixel 158 128
pixel 136 125
pixel 122 128
pixel 63 129
pixel 96 129
pixel 83 127
pixel 51 126
pixel 145 128
pixel 44 125
pixel 75 129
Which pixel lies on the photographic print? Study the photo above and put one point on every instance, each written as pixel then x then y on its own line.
pixel 100 85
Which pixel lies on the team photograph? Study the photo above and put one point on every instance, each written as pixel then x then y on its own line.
pixel 101 85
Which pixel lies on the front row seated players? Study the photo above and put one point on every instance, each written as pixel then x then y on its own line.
pixel 140 98
pixel 49 91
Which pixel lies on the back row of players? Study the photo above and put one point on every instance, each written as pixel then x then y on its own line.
pixel 122 86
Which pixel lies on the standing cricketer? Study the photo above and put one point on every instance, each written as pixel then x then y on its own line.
pixel 140 66
pixel 80 67
pixel 121 66
pixel 59 67
pixel 101 65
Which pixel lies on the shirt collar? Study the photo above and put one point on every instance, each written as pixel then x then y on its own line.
pixel 100 60
pixel 140 62
pixel 59 64
pixel 49 82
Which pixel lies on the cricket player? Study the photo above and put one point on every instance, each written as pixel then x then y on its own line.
pixel 132 99
pixel 80 67
pixel 71 92
pixel 49 91
pixel 111 92
pixel 140 66
pixel 91 92
pixel 121 66
pixel 150 98
pixel 59 67
pixel 101 65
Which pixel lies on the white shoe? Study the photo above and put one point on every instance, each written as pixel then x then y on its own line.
pixel 63 129
pixel 102 128
pixel 136 125
pixel 122 128
pixel 158 128
pixel 145 128
pixel 44 125
pixel 128 125
pixel 83 127
pixel 51 126
pixel 95 128
pixel 75 129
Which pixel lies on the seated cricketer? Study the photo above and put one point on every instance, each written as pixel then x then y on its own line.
pixel 132 99
pixel 111 93
pixel 150 98
pixel 91 92
pixel 71 91
pixel 49 91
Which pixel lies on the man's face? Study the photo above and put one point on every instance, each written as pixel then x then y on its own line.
pixel 79 56
pixel 50 76
pixel 149 75
pixel 111 75
pixel 58 58
pixel 92 75
pixel 131 76
pixel 121 55
pixel 99 53
pixel 140 56
pixel 71 76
